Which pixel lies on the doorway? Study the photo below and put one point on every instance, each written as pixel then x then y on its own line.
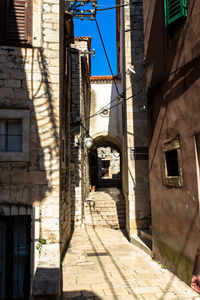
pixel 15 257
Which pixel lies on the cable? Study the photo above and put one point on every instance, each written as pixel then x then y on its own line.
pixel 107 57
pixel 124 100
pixel 100 110
pixel 113 7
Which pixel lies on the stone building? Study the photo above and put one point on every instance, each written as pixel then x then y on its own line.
pixel 35 207
pixel 135 176
pixel 79 127
pixel 173 82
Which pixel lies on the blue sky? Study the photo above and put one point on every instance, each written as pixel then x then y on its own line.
pixel 107 23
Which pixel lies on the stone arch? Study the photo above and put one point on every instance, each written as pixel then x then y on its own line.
pixel 104 139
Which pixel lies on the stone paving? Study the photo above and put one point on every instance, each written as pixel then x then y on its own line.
pixel 100 263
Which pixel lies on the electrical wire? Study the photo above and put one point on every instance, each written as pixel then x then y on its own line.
pixel 104 48
pixel 124 100
pixel 113 7
pixel 105 107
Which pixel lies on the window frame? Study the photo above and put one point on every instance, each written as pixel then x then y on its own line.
pixel 23 115
pixel 172 181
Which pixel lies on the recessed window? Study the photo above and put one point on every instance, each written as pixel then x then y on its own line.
pixel 171 158
pixel 171 163
pixel 14 134
pixel 10 135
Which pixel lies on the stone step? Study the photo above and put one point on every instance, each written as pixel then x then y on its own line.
pixel 104 211
pixel 106 204
pixel 105 208
pixel 145 233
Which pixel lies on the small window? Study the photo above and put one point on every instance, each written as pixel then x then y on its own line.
pixel 14 135
pixel 10 135
pixel 171 158
pixel 15 21
pixel 174 10
pixel 171 161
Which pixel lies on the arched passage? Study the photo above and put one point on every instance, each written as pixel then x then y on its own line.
pixel 105 162
pixel 106 204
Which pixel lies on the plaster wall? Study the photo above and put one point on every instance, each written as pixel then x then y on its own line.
pixel 102 93
pixel 173 82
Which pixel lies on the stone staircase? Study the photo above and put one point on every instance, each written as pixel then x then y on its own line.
pixel 105 208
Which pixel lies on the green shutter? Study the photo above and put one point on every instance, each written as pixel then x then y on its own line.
pixel 174 10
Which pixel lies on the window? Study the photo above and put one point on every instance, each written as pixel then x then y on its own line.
pixel 174 10
pixel 171 161
pixel 15 21
pixel 171 158
pixel 10 135
pixel 14 135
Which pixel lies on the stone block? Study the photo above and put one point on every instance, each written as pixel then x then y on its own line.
pixel 46 8
pixel 51 17
pixel 46 284
pixel 51 35
pixel 55 8
pixel 6 93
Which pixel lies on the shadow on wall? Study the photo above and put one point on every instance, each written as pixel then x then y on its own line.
pixel 115 116
pixel 27 183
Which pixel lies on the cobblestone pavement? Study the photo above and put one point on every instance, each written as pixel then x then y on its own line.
pixel 101 264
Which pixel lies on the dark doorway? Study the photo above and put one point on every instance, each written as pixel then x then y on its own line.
pixel 15 257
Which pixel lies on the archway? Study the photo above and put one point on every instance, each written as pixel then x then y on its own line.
pixel 105 162
pixel 106 205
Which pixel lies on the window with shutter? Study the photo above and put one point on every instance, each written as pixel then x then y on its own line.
pixel 174 10
pixel 15 21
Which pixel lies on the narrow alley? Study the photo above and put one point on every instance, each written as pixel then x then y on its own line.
pixel 100 263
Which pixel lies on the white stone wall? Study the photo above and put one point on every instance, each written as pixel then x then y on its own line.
pixel 102 93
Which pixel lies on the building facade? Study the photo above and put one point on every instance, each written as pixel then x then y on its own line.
pixel 172 78
pixel 135 176
pixel 34 114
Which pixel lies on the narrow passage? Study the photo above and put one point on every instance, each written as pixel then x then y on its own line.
pixel 100 263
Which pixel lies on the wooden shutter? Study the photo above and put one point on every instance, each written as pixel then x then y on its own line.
pixel 15 21
pixel 174 10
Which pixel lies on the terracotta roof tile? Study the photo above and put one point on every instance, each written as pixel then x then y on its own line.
pixel 104 78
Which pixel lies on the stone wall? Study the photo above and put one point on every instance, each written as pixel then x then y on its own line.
pixel 80 104
pixel 30 80
pixel 135 170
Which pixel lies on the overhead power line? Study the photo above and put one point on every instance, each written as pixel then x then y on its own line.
pixel 118 103
pixel 112 7
pixel 104 48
